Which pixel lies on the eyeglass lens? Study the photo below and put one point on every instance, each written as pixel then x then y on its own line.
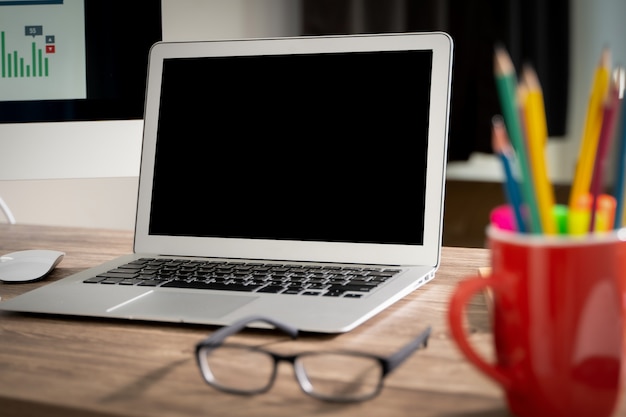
pixel 339 376
pixel 236 368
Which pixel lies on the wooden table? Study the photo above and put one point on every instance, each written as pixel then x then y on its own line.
pixel 59 366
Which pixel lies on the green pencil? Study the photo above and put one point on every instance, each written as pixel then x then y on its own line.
pixel 506 84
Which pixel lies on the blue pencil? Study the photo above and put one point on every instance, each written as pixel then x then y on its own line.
pixel 502 147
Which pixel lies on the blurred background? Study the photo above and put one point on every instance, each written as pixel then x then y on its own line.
pixel 87 175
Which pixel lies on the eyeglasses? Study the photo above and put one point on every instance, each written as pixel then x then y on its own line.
pixel 340 376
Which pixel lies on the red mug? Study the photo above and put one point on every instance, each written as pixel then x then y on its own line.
pixel 558 321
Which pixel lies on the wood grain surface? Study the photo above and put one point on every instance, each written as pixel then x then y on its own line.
pixel 70 366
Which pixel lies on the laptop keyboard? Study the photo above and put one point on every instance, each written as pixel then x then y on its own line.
pixel 328 281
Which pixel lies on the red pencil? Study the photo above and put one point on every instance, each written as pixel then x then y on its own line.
pixel 611 105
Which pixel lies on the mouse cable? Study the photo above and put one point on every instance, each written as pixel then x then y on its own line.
pixel 7 211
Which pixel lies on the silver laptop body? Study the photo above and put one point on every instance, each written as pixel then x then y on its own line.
pixel 309 151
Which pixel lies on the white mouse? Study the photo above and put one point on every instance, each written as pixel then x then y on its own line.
pixel 28 265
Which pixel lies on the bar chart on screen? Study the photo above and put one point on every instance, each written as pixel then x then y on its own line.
pixel 33 63
pixel 42 50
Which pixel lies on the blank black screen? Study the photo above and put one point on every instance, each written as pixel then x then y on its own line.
pixel 299 147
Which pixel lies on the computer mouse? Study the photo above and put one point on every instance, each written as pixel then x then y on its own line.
pixel 28 265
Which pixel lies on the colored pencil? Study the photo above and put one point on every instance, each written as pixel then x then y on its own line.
pixel 610 108
pixel 591 130
pixel 620 139
pixel 506 84
pixel 534 118
pixel 502 147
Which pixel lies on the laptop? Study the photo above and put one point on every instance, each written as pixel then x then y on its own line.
pixel 296 178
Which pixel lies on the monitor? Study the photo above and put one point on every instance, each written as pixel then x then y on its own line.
pixel 72 86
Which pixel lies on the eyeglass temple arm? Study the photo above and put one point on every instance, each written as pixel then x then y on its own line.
pixel 220 335
pixel 400 356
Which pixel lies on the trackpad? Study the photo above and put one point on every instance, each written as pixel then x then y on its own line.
pixel 174 306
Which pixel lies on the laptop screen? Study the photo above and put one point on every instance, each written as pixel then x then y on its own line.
pixel 311 147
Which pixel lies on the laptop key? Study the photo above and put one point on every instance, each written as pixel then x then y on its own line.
pixel 210 286
pixel 148 283
pixel 93 280
pixel 111 280
pixel 272 289
pixel 310 293
pixel 118 275
pixel 131 281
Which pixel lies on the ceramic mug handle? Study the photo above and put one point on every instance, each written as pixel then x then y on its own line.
pixel 465 290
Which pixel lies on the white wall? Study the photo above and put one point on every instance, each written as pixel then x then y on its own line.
pixel 101 192
pixel 232 19
pixel 91 202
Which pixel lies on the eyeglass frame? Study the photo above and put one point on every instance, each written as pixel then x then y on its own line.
pixel 388 364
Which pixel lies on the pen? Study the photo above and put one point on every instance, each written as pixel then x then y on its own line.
pixel 560 214
pixel 605 212
pixel 506 86
pixel 580 214
pixel 503 217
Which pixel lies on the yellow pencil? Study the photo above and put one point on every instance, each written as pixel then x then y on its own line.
pixel 534 118
pixel 591 131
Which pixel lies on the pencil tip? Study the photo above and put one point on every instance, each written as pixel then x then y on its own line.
pixel 619 80
pixel 605 57
pixel 497 120
pixel 530 78
pixel 499 139
pixel 502 60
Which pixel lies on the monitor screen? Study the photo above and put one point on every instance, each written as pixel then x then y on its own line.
pixel 75 60
pixel 294 159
